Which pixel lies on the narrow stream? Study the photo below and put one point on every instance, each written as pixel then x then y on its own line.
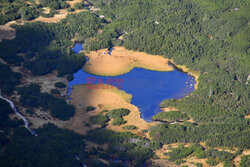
pixel 26 123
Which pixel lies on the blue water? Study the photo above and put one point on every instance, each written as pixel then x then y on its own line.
pixel 149 88
pixel 110 50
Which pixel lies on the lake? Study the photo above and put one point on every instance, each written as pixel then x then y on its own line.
pixel 148 88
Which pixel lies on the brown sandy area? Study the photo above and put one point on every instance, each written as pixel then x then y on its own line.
pixel 237 159
pixel 61 15
pixel 167 109
pixel 102 99
pixel 122 61
pixel 247 116
pixel 57 17
pixel 162 163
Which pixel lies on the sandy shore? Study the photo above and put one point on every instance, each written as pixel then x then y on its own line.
pixel 122 61
pixel 103 99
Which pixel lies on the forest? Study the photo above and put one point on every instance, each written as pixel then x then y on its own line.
pixel 32 97
pixel 214 156
pixel 8 79
pixel 29 9
pixel 209 36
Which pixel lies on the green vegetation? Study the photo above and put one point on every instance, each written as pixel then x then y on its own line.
pixel 5 121
pixel 216 133
pixel 214 156
pixel 212 162
pixel 54 147
pixel 198 164
pixel 8 79
pixel 79 6
pixel 9 12
pixel 178 162
pixel 54 4
pixel 18 9
pixel 31 96
pixel 55 91
pixel 90 108
pixel 28 13
pixel 170 116
pixel 209 36
pixel 182 152
pixel 60 85
pixel 118 113
pixel 130 127
pixel 245 161
pixel 99 119
pixel 118 121
pixel 134 148
pixel 48 46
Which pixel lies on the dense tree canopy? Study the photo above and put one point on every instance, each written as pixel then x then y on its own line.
pixel 209 36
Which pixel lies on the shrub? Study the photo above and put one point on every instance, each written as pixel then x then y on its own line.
pixel 55 91
pixel 130 127
pixel 212 162
pixel 99 119
pixel 70 77
pixel 61 110
pixel 180 152
pixel 79 5
pixel 28 13
pixel 180 161
pixel 70 10
pixel 245 161
pixel 198 164
pixel 118 113
pixel 30 112
pixel 118 121
pixel 104 111
pixel 60 85
pixel 90 108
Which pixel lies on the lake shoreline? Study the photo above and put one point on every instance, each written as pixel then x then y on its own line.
pixel 104 99
pixel 104 61
pixel 122 61
pixel 96 66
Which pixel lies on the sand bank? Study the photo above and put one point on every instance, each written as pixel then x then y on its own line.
pixel 103 99
pixel 122 61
